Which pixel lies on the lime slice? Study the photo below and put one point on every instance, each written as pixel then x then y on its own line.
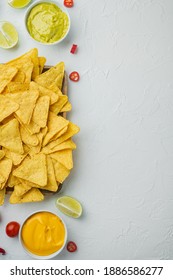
pixel 18 3
pixel 8 35
pixel 69 206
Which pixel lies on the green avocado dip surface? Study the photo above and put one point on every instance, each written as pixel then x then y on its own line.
pixel 47 23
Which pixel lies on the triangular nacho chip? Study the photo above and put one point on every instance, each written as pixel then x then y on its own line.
pixel 41 110
pixel 33 170
pixel 64 157
pixel 56 107
pixel 7 107
pixel 6 75
pixel 61 172
pixel 26 105
pixel 10 137
pixel 32 195
pixel 53 75
pixel 55 124
pixel 27 138
pixel 5 169
pixel 2 196
pixel 20 189
pixel 51 182
pixel 2 154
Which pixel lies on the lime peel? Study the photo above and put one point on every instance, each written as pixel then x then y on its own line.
pixel 18 3
pixel 8 35
pixel 69 206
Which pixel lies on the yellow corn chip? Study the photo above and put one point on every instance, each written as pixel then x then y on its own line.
pixel 10 137
pixel 15 157
pixel 5 169
pixel 2 179
pixel 54 147
pixel 55 124
pixel 12 181
pixel 61 172
pixel 32 195
pixel 26 105
pixel 14 87
pixel 56 107
pixel 66 108
pixel 45 92
pixel 2 154
pixel 19 77
pixel 6 75
pixel 41 63
pixel 2 196
pixel 27 138
pixel 7 107
pixel 20 189
pixel 33 170
pixel 53 76
pixel 41 110
pixel 51 182
pixel 64 157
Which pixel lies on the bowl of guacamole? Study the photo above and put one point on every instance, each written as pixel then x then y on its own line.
pixel 47 22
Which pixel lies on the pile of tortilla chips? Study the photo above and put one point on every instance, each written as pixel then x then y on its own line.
pixel 35 139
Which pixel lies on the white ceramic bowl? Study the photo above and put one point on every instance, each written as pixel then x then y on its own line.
pixel 38 256
pixel 59 6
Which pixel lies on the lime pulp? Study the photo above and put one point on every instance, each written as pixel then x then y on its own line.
pixel 8 35
pixel 18 3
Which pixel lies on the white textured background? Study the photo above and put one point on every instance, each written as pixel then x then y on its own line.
pixel 123 172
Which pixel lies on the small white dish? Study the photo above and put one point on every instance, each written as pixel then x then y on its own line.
pixel 33 255
pixel 59 6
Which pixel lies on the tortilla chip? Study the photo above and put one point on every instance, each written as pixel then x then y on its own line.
pixel 33 170
pixel 7 107
pixel 51 182
pixel 12 181
pixel 10 137
pixel 66 108
pixel 40 136
pixel 71 130
pixel 53 76
pixel 27 138
pixel 61 132
pixel 26 105
pixel 6 75
pixel 45 92
pixel 14 87
pixel 2 196
pixel 54 147
pixel 2 154
pixel 15 157
pixel 20 189
pixel 64 157
pixel 5 169
pixel 56 107
pixel 32 195
pixel 61 172
pixel 2 179
pixel 55 124
pixel 41 63
pixel 41 110
pixel 31 55
pixel 19 77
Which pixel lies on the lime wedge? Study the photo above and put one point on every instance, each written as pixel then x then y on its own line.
pixel 69 206
pixel 18 3
pixel 8 35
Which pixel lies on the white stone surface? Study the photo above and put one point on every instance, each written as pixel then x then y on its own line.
pixel 124 106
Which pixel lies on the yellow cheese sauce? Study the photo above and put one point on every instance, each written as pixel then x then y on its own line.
pixel 43 233
pixel 47 23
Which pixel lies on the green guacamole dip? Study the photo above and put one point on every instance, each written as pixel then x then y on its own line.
pixel 47 23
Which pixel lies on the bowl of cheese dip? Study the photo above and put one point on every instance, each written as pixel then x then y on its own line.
pixel 43 235
pixel 47 22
